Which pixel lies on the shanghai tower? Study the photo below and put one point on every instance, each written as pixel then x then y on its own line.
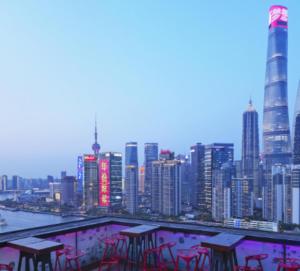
pixel 276 130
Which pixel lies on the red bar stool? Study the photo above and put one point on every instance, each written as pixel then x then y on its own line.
pixel 149 254
pixel 203 256
pixel 167 247
pixel 288 264
pixel 59 254
pixel 187 255
pixel 6 267
pixel 256 258
pixel 73 256
pixel 121 247
pixel 109 257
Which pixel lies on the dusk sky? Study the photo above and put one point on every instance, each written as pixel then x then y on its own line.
pixel 172 72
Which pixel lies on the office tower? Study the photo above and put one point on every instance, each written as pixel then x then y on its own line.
pixel 197 195
pixel 281 194
pixel 296 162
pixel 3 183
pixel 296 130
pixel 216 155
pixel 166 186
pixel 185 176
pixel 276 130
pixel 55 190
pixel 296 194
pixel 242 197
pixel 250 147
pixel 15 183
pixel 50 179
pixel 131 176
pixel 142 180
pixel 68 190
pixel 221 192
pixel 96 146
pixel 151 154
pixel 110 195
pixel 63 174
pixel 237 169
pixel 91 182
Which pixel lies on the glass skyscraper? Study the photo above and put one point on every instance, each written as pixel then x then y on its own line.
pixel 250 147
pixel 131 176
pixel 151 154
pixel 276 130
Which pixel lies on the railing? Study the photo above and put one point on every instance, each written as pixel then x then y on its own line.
pixel 85 235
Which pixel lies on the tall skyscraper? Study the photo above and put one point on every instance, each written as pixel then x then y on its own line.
pixel 197 186
pixel 166 186
pixel 4 181
pixel 96 146
pixel 68 190
pixel 250 147
pixel 296 194
pixel 185 176
pixel 296 130
pixel 242 197
pixel 276 130
pixel 281 194
pixel 91 182
pixel 151 154
pixel 296 162
pixel 110 194
pixel 221 192
pixel 131 176
pixel 215 156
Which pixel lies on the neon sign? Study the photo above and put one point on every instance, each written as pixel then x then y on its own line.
pixel 104 183
pixel 80 173
pixel 90 157
pixel 278 16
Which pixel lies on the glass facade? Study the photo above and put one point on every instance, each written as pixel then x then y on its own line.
pixel 276 131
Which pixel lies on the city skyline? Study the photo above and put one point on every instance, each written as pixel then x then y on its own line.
pixel 47 114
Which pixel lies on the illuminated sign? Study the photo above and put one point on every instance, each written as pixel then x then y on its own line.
pixel 80 173
pixel 278 16
pixel 104 183
pixel 90 157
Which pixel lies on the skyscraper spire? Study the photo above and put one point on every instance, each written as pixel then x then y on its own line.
pixel 96 146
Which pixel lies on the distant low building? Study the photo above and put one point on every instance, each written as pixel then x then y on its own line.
pixel 252 224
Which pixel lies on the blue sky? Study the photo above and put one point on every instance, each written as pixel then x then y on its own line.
pixel 173 72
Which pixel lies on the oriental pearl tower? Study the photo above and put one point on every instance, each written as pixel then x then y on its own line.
pixel 96 146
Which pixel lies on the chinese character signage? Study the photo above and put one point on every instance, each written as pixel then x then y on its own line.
pixel 278 16
pixel 80 173
pixel 104 183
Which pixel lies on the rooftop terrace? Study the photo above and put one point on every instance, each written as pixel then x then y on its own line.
pixel 84 235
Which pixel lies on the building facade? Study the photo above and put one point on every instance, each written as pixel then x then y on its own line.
pixel 131 176
pixel 151 154
pixel 111 195
pixel 215 156
pixel 197 194
pixel 91 182
pixel 68 190
pixel 221 192
pixel 250 148
pixel 166 187
pixel 276 129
